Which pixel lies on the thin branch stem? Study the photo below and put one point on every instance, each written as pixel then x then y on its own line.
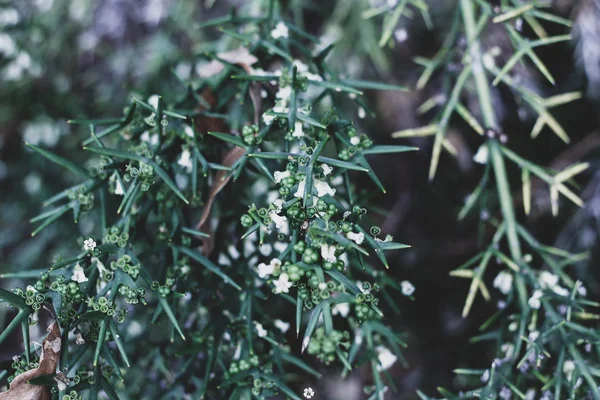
pixel 497 160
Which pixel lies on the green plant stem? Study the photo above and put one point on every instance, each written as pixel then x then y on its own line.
pixel 506 204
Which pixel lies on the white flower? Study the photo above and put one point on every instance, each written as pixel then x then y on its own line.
pixel 547 280
pixel 488 60
pixel 266 249
pixel 79 338
pixel 505 393
pixel 9 16
pixel 355 140
pixel 561 291
pixel 280 246
pixel 326 169
pixel 21 64
pixel 533 335
pixel 182 181
pixel 358 338
pixel 508 349
pixel 189 132
pixel 328 252
pixel 32 182
pixel 568 368
pixel 78 274
pixel 278 205
pixel 264 270
pixel 401 35
pixel 60 385
pixel 281 325
pixel 323 188
pixel 268 119
pixel 7 45
pixel 223 259
pixel 280 175
pixel 298 132
pixel 361 113
pixel 283 284
pixel 407 288
pixel 42 131
pixel 262 332
pixel 486 375
pixel 153 100
pixel 280 107
pixel 89 244
pixel 482 155
pixel 119 190
pixel 357 238
pixel 519 24
pixel 101 268
pixel 44 5
pixel 151 140
pixel 530 395
pixel 284 93
pixel 300 192
pixel 278 220
pixel 342 309
pixel 386 358
pixel 534 300
pixel 308 392
pixel 185 160
pixel 280 31
pixel 503 282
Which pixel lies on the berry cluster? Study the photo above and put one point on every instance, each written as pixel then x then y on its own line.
pixel 132 296
pixel 104 305
pixel 124 263
pixel 250 135
pixel 70 291
pixel 84 197
pixel 163 290
pixel 357 143
pixel 323 346
pixel 115 236
pixel 20 365
pixel 144 173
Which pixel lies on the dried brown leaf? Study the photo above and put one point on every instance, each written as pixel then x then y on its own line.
pixel 221 179
pixel 20 389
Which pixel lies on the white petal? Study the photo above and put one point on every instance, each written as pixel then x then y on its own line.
pixel 298 132
pixel 300 192
pixel 357 238
pixel 482 155
pixel 328 252
pixel 281 325
pixel 342 309
pixel 323 188
pixel 326 169
pixel 280 175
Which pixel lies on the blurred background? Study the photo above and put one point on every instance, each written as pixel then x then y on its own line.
pixel 68 59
